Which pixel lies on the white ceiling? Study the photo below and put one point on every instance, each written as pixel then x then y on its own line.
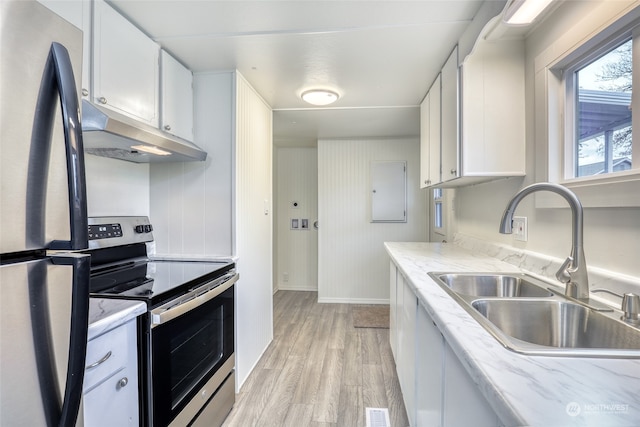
pixel 381 56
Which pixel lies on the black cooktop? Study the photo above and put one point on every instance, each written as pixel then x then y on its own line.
pixel 154 281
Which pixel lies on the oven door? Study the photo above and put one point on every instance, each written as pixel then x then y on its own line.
pixel 190 340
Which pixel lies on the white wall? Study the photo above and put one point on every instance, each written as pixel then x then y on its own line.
pixel 191 203
pixel 253 225
pixel 353 265
pixel 611 235
pixel 222 207
pixel 116 187
pixel 296 173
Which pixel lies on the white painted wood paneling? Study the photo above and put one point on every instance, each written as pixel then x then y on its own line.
pixel 352 262
pixel 115 187
pixel 296 250
pixel 217 207
pixel 191 203
pixel 253 216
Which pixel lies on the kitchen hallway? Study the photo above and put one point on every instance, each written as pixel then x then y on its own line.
pixel 319 370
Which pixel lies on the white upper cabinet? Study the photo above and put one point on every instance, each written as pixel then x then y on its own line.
pixel 126 68
pixel 493 110
pixel 177 97
pixel 430 136
pixel 78 13
pixel 482 116
pixel 449 115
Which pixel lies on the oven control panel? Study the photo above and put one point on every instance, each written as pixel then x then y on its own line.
pixel 117 231
pixel 104 231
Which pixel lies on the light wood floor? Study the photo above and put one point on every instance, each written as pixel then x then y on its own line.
pixel 319 370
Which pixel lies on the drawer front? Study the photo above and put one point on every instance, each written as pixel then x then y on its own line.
pixel 114 403
pixel 108 353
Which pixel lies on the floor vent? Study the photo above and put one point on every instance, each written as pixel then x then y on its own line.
pixel 378 417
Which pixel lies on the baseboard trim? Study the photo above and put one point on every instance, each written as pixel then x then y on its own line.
pixel 325 300
pixel 282 287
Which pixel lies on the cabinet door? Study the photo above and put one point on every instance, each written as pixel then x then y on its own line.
pixel 429 356
pixel 407 350
pixel 425 134
pixel 430 136
pixel 177 97
pixel 114 402
pixel 449 101
pixel 464 405
pixel 434 131
pixel 393 325
pixel 78 13
pixel 125 75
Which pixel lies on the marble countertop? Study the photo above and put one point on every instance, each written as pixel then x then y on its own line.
pixel 522 390
pixel 106 314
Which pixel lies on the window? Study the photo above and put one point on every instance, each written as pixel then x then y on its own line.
pixel 585 104
pixel 599 92
pixel 437 211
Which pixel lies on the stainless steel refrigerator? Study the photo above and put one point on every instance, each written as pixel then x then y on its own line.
pixel 44 299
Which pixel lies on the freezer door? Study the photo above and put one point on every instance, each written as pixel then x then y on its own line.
pixel 43 324
pixel 41 156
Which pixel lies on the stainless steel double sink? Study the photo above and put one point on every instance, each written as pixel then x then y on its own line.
pixel 528 317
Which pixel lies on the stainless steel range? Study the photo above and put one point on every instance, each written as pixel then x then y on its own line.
pixel 186 339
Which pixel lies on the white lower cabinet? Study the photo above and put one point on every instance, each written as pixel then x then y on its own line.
pixel 429 366
pixel 406 359
pixel 436 388
pixel 393 309
pixel 463 404
pixel 110 390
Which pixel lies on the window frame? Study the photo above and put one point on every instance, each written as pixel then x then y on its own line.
pixel 556 161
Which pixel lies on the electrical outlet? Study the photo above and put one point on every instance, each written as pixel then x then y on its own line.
pixel 520 228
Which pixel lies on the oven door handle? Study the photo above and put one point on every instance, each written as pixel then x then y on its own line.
pixel 162 315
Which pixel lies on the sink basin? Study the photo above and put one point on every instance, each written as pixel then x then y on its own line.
pixel 557 327
pixel 492 285
pixel 526 317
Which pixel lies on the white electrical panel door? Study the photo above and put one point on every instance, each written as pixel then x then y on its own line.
pixel 388 191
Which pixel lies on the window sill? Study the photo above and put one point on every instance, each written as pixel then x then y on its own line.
pixel 617 190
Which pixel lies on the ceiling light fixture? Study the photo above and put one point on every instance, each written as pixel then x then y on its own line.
pixel 320 96
pixel 524 12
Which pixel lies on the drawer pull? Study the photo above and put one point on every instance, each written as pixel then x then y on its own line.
pixel 100 362
pixel 122 383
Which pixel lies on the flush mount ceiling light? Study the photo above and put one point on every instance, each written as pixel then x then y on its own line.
pixel 320 96
pixel 524 12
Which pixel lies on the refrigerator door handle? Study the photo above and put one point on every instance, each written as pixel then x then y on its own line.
pixel 78 339
pixel 58 79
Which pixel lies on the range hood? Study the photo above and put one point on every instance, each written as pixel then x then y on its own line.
pixel 107 133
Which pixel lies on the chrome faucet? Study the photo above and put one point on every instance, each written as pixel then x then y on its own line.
pixel 573 272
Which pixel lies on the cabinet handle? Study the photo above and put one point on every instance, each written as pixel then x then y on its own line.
pixel 102 100
pixel 167 127
pixel 99 362
pixel 454 171
pixel 85 92
pixel 122 383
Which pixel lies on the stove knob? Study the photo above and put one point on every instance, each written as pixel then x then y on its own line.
pixel 139 229
pixel 148 228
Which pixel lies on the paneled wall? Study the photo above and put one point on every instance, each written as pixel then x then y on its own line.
pixel 115 187
pixel 611 235
pixel 352 263
pixel 191 203
pixel 253 225
pixel 296 174
pixel 222 207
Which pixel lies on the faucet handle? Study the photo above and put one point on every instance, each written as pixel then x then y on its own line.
pixel 631 307
pixel 563 274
